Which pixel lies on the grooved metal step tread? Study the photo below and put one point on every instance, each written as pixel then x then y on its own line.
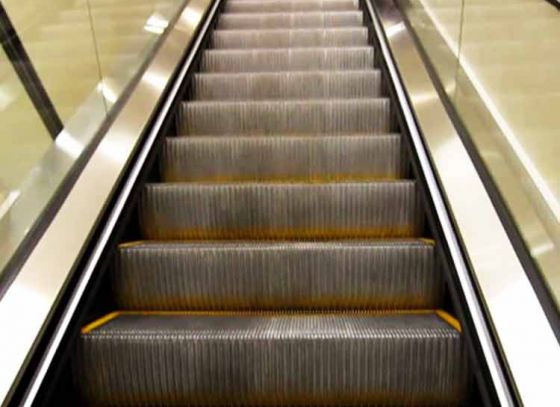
pixel 272 359
pixel 245 21
pixel 254 158
pixel 292 59
pixel 295 117
pixel 289 211
pixel 332 37
pixel 283 263
pixel 286 85
pixel 393 274
pixel 255 6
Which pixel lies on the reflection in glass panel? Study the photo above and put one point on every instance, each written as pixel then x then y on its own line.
pixel 437 24
pixel 61 49
pixel 23 136
pixel 507 93
pixel 509 69
pixel 85 53
pixel 126 31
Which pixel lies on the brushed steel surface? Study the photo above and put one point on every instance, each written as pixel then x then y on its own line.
pixel 294 358
pixel 342 116
pixel 287 85
pixel 27 304
pixel 34 194
pixel 312 159
pixel 313 37
pixel 390 274
pixel 252 359
pixel 509 300
pixel 293 59
pixel 294 211
pixel 253 6
pixel 37 169
pixel 517 133
pixel 244 21
pixel 505 89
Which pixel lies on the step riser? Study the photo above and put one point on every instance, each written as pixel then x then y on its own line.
pixel 239 39
pixel 372 116
pixel 277 276
pixel 264 360
pixel 291 85
pixel 288 20
pixel 291 211
pixel 317 159
pixel 302 59
pixel 290 6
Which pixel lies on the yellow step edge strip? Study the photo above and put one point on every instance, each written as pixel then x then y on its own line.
pixel 376 240
pixel 407 231
pixel 132 243
pixel 101 321
pixel 111 316
pixel 454 322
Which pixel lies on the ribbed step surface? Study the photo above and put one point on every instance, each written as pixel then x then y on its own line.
pixel 293 59
pixel 287 85
pixel 244 21
pixel 317 159
pixel 256 6
pixel 299 38
pixel 234 211
pixel 252 359
pixel 341 116
pixel 252 275
pixel 283 263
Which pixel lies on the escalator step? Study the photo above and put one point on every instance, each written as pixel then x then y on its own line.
pixel 293 59
pixel 283 263
pixel 254 158
pixel 244 21
pixel 334 37
pixel 287 85
pixel 277 275
pixel 252 6
pixel 237 359
pixel 342 116
pixel 291 211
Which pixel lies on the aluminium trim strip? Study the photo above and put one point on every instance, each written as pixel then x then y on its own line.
pixel 469 292
pixel 42 278
pixel 523 333
pixel 116 211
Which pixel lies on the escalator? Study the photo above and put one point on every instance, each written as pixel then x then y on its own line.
pixel 281 255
